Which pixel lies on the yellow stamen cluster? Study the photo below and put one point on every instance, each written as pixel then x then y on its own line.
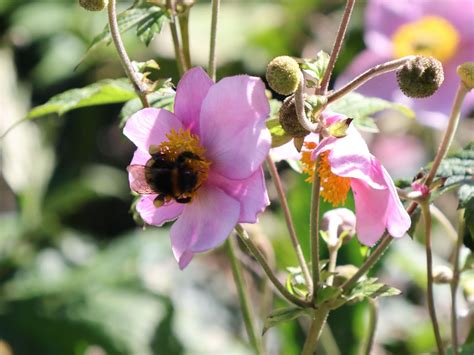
pixel 430 36
pixel 334 189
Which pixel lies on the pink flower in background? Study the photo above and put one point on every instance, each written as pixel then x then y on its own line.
pixel 439 28
pixel 201 164
pixel 345 164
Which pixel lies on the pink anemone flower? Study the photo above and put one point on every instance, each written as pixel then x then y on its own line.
pixel 202 164
pixel 346 163
pixel 439 28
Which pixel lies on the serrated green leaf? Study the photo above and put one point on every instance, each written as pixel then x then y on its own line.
pixel 148 20
pixel 371 288
pixel 279 136
pixel 281 315
pixel 359 108
pixel 101 93
pixel 328 294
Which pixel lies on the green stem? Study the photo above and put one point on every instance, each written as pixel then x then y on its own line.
pixel 289 222
pixel 180 62
pixel 449 132
pixel 247 311
pixel 337 47
pixel 332 263
pixel 454 286
pixel 320 316
pixel 184 29
pixel 314 227
pixel 244 237
pixel 211 70
pixel 366 76
pixel 372 326
pixel 425 209
pixel 139 87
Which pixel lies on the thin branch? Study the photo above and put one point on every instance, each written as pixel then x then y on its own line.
pixel 337 47
pixel 372 326
pixel 184 30
pixel 247 311
pixel 211 70
pixel 299 105
pixel 366 76
pixel 289 222
pixel 425 208
pixel 139 87
pixel 180 62
pixel 449 133
pixel 314 226
pixel 244 237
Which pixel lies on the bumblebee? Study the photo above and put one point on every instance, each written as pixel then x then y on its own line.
pixel 169 179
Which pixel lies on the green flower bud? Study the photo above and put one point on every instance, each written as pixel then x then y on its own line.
pixel 420 77
pixel 289 119
pixel 93 5
pixel 283 75
pixel 466 73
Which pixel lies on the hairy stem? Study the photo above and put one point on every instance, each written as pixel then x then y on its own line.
pixel 178 52
pixel 449 133
pixel 320 316
pixel 372 326
pixel 337 47
pixel 366 76
pixel 244 237
pixel 139 87
pixel 211 70
pixel 184 30
pixel 247 311
pixel 454 286
pixel 289 222
pixel 314 227
pixel 425 209
pixel 299 105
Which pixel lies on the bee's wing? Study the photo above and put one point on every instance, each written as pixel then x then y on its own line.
pixel 138 181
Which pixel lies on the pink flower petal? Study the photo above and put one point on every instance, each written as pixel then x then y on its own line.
pixel 251 193
pixel 204 223
pixel 158 216
pixel 370 208
pixel 150 126
pixel 377 209
pixel 190 93
pixel 232 126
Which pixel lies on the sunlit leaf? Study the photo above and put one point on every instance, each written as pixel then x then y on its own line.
pixel 101 93
pixel 371 288
pixel 314 68
pixel 279 136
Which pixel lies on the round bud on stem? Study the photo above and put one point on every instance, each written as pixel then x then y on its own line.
pixel 442 275
pixel 93 5
pixel 289 119
pixel 466 73
pixel 283 75
pixel 420 77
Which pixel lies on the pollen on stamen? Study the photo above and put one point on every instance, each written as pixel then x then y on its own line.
pixel 334 189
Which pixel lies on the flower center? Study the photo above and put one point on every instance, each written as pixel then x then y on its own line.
pixel 334 188
pixel 429 36
pixel 177 168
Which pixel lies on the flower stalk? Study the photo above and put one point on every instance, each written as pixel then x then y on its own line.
pixel 180 61
pixel 425 210
pixel 366 76
pixel 139 87
pixel 314 227
pixel 184 30
pixel 247 311
pixel 372 326
pixel 245 238
pixel 336 48
pixel 289 222
pixel 213 40
pixel 454 286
